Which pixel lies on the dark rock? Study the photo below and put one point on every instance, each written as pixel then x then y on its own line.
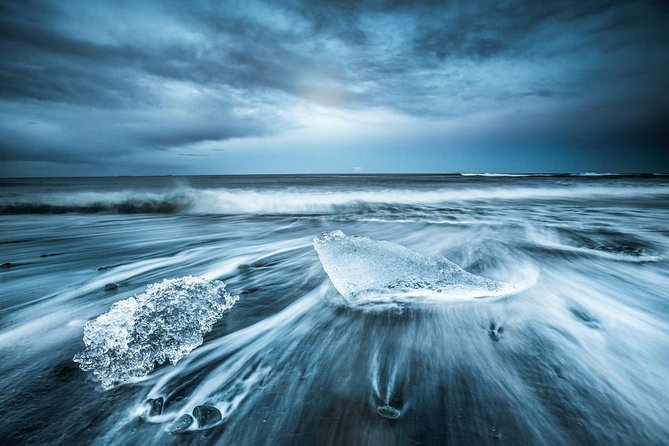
pixel 207 415
pixel 585 317
pixel 388 412
pixel 155 406
pixel 6 265
pixel 111 286
pixel 181 424
pixel 44 255
pixel 495 332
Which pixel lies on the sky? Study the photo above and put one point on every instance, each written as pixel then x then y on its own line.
pixel 234 87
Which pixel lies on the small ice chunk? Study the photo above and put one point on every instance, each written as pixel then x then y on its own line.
pixel 362 269
pixel 165 323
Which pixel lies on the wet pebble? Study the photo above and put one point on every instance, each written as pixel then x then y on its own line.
pixel 207 415
pixel 155 405
pixel 181 424
pixel 388 412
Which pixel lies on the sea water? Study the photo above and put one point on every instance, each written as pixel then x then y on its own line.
pixel 368 309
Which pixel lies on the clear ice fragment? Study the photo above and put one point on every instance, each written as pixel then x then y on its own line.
pixel 165 323
pixel 362 269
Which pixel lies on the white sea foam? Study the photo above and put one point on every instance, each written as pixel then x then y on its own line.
pixel 303 201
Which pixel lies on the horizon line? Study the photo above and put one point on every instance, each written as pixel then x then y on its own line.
pixel 354 174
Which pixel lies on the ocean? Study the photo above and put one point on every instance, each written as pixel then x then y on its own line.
pixel 335 310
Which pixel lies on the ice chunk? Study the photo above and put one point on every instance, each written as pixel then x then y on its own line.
pixel 165 323
pixel 363 269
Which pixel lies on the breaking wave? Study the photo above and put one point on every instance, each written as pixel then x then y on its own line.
pixel 303 201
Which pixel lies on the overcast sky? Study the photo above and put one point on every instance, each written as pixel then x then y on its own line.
pixel 131 88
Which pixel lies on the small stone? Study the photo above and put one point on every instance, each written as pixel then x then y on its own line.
pixel 111 286
pixel 181 424
pixel 6 265
pixel 495 332
pixel 206 415
pixel 388 412
pixel 156 406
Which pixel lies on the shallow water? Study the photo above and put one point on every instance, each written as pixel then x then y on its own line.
pixel 579 355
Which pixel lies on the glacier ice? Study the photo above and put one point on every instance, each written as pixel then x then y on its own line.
pixel 366 270
pixel 165 323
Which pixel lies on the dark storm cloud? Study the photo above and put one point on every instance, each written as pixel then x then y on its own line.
pixel 96 82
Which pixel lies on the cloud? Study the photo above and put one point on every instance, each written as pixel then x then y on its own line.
pixel 89 82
